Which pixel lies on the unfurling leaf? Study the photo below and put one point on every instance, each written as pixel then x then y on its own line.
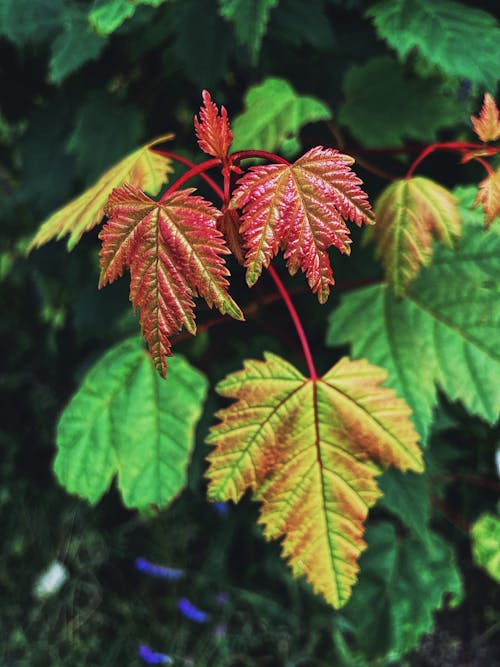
pixel 310 450
pixel 229 224
pixel 213 130
pixel 488 196
pixel 143 168
pixel 485 536
pixel 487 124
pixel 300 208
pixel 173 250
pixel 410 213
pixel 125 421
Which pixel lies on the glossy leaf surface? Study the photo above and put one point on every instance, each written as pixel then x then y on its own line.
pixel 143 168
pixel 300 208
pixel 174 252
pixel 310 451
pixel 444 333
pixel 410 214
pixel 124 420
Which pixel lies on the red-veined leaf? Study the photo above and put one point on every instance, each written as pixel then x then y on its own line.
pixel 300 208
pixel 487 124
pixel 174 252
pixel 310 451
pixel 488 196
pixel 213 130
pixel 410 214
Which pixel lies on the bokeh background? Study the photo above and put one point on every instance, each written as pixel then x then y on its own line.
pixel 83 83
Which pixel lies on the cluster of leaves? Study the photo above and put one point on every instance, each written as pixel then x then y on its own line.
pixel 310 449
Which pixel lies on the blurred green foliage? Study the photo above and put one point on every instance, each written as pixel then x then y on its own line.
pixel 83 83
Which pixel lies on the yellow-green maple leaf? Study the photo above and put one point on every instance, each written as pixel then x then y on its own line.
pixel 310 450
pixel 410 214
pixel 488 196
pixel 143 168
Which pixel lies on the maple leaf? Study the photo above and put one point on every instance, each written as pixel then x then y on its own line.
pixel 142 168
pixel 410 214
pixel 310 451
pixel 487 124
pixel 300 208
pixel 488 196
pixel 443 333
pixel 273 116
pixel 125 421
pixel 213 130
pixel 173 250
pixel 438 32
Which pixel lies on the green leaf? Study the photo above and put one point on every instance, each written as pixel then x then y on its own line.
pixel 385 105
pixel 485 536
pixel 108 15
pixel 124 420
pixel 43 160
pixel 407 497
pixel 299 23
pixel 401 585
pixel 202 46
pixel 250 18
pixel 410 214
pixel 443 334
pixel 461 41
pixel 27 21
pixel 74 46
pixel 273 115
pixel 105 130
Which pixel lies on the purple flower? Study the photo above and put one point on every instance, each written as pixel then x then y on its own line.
pixel 160 571
pixel 191 612
pixel 221 508
pixel 153 658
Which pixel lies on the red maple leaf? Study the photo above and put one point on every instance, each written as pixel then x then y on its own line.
pixel 300 208
pixel 174 252
pixel 213 130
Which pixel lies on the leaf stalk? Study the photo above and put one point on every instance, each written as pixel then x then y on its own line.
pixel 296 320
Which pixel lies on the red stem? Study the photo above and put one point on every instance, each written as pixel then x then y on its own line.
pixel 458 146
pixel 194 171
pixel 243 155
pixel 485 165
pixel 191 165
pixel 296 320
